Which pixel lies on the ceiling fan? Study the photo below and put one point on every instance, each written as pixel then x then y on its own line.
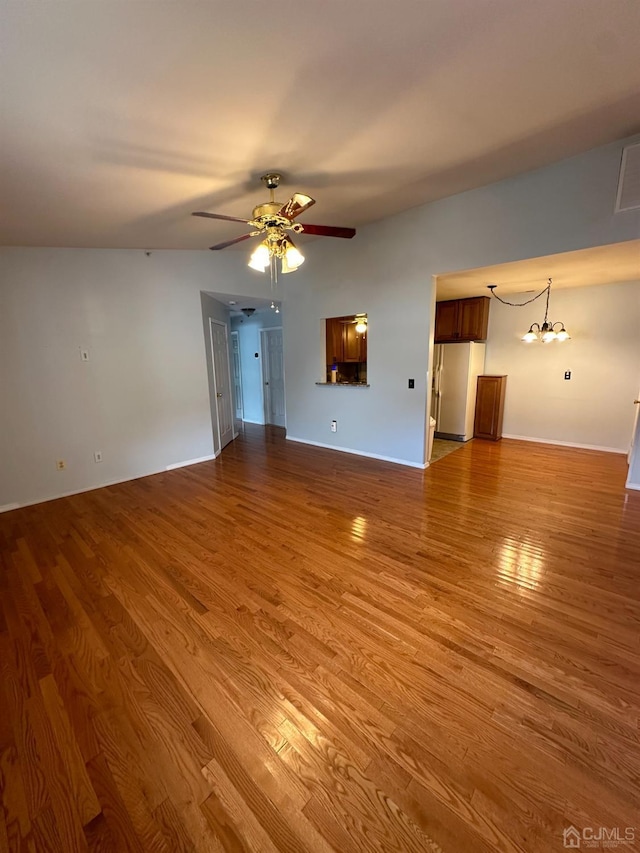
pixel 273 220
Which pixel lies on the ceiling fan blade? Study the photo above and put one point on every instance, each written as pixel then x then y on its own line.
pixel 219 216
pixel 231 242
pixel 296 205
pixel 328 231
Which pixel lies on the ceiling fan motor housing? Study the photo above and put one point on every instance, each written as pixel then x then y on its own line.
pixel 268 208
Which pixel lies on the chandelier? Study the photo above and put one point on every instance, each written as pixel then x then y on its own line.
pixel 545 332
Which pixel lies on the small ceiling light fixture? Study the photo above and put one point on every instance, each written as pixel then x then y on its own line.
pixel 361 324
pixel 545 332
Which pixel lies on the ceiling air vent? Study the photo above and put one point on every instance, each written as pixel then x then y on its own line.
pixel 628 197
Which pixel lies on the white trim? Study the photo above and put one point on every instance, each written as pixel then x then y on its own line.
pixel 184 464
pixel 635 486
pixel 565 443
pixel 249 421
pixel 9 507
pixel 420 465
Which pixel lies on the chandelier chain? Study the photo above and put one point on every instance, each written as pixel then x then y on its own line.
pixel 546 290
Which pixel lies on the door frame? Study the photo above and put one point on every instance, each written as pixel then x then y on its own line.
pixel 237 407
pixel 215 381
pixel 633 457
pixel 266 392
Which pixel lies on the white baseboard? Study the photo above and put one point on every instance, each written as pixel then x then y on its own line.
pixel 635 486
pixel 379 456
pixel 249 421
pixel 566 443
pixel 9 507
pixel 184 464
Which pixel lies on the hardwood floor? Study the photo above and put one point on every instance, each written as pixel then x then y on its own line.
pixel 290 649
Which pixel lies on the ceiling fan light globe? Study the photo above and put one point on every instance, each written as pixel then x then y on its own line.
pixel 293 257
pixel 260 258
pixel 530 337
pixel 563 335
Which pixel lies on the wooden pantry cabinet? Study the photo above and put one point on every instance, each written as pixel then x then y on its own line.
pixel 489 407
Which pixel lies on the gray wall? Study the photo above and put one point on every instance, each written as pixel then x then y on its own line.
pixel 595 407
pixel 142 399
pixel 387 271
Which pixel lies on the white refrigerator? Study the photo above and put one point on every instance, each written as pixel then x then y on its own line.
pixel 456 368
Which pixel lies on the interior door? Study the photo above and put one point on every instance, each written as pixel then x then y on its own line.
pixel 273 367
pixel 237 373
pixel 222 381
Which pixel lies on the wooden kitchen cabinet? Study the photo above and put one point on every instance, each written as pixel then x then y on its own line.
pixel 335 345
pixel 490 407
pixel 462 320
pixel 344 344
pixel 354 344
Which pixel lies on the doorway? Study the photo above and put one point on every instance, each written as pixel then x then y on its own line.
pixel 221 382
pixel 273 376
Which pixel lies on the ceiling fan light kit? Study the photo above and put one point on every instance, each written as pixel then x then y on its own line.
pixel 271 220
pixel 545 333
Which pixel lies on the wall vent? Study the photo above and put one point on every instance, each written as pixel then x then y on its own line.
pixel 628 197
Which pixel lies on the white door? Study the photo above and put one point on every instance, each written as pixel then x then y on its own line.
pixel 222 382
pixel 237 373
pixel 273 370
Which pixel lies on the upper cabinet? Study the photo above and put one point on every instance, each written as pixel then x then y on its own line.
pixel 354 344
pixel 344 344
pixel 462 320
pixel 335 346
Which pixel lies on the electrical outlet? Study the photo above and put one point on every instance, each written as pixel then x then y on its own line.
pixel 334 426
pixel 84 354
pixel 567 374
pixel 97 456
pixel 60 464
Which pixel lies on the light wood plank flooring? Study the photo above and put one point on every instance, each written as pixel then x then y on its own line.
pixel 290 649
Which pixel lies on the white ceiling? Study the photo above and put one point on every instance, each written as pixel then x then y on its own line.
pixel 120 118
pixel 617 262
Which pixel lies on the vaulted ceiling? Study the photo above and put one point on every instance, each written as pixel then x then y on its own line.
pixel 120 118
